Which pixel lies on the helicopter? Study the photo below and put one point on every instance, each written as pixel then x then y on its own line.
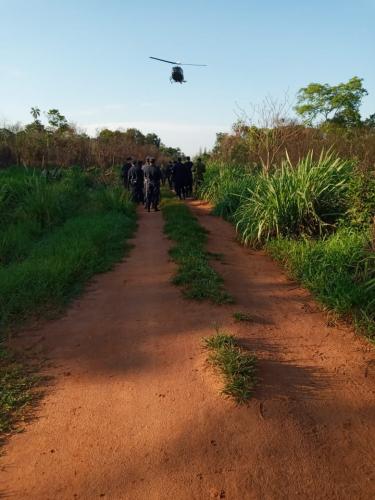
pixel 177 72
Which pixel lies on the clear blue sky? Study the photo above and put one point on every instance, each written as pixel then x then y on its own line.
pixel 89 59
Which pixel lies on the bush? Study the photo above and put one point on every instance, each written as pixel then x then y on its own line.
pixel 306 199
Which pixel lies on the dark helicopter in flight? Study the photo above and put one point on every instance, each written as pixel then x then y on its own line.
pixel 177 73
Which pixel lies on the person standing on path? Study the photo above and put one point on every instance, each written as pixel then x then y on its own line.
pixel 125 171
pixel 169 173
pixel 135 182
pixel 178 178
pixel 188 165
pixel 152 175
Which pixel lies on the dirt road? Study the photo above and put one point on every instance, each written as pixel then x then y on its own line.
pixel 134 413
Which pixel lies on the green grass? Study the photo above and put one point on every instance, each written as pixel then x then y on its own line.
pixel 313 217
pixel 337 270
pixel 237 366
pixel 241 316
pixel 59 266
pixel 307 198
pixel 55 235
pixel 198 279
pixel 18 382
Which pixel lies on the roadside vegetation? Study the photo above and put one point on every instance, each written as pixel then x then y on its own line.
pixel 236 365
pixel 194 273
pixel 312 212
pixel 57 230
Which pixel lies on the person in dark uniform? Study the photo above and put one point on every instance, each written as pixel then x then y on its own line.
pixel 125 170
pixel 179 178
pixel 152 176
pixel 168 174
pixel 135 182
pixel 189 176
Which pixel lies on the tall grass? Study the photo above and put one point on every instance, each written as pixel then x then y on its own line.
pixel 336 269
pixel 54 236
pixel 225 186
pixel 304 199
pixel 314 217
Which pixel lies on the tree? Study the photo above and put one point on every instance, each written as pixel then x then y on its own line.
pixel 56 120
pixel 153 139
pixel 337 104
pixel 370 121
pixel 35 113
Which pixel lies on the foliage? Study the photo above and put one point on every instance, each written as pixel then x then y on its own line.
pixel 337 103
pixel 293 205
pixel 224 186
pixel 302 199
pixel 199 280
pixel 339 270
pixel 54 236
pixel 237 366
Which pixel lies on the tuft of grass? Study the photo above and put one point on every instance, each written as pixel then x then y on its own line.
pixel 198 279
pixel 241 316
pixel 17 384
pixel 237 366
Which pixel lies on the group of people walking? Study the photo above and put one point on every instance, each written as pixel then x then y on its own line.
pixel 143 179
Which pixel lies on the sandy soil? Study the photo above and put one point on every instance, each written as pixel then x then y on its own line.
pixel 135 413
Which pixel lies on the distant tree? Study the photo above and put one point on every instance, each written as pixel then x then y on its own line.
pixel 56 120
pixel 337 104
pixel 153 139
pixel 370 121
pixel 135 135
pixel 35 113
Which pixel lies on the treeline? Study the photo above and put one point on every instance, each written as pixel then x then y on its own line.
pixel 59 143
pixel 329 119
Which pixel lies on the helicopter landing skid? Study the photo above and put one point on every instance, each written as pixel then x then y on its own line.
pixel 173 80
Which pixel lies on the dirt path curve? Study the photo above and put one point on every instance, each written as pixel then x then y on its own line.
pixel 135 414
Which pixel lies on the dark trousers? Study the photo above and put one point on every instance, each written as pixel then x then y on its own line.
pixel 137 194
pixel 180 190
pixel 152 196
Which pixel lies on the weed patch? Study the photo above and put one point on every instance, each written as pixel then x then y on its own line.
pixel 241 316
pixel 198 279
pixel 17 383
pixel 237 366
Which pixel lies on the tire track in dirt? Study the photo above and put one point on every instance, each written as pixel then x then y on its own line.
pixel 135 413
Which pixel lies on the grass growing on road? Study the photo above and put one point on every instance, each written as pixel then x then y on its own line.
pixel 237 366
pixel 17 383
pixel 198 279
pixel 242 317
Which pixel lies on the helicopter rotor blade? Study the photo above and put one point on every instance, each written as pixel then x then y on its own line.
pixel 163 60
pixel 189 64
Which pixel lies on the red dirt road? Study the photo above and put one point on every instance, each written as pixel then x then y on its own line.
pixel 135 413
